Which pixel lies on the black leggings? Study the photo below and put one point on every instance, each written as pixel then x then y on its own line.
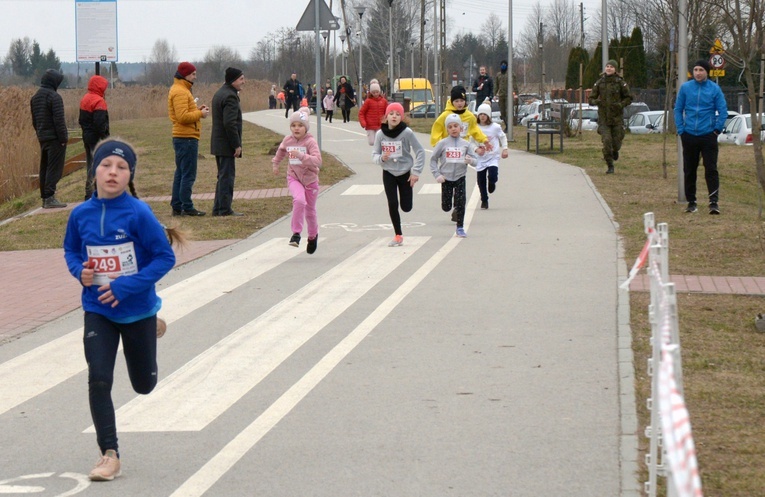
pixel 101 340
pixel 397 187
pixel 493 173
pixel 346 113
pixel 457 190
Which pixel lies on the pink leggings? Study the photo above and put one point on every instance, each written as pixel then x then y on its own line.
pixel 304 206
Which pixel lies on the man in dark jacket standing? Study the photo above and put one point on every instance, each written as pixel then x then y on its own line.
pixel 94 121
pixel 226 139
pixel 483 87
pixel 49 123
pixel 291 94
pixel 611 94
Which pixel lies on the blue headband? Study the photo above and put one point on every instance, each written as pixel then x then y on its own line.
pixel 118 148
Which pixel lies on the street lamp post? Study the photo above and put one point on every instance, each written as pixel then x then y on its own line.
pixel 427 78
pixel 390 47
pixel 325 35
pixel 342 52
pixel 360 9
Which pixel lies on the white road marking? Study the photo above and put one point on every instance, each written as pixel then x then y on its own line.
pixel 364 190
pixel 30 374
pixel 212 382
pixel 201 481
pixel 430 189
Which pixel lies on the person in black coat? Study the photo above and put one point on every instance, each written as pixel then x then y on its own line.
pixel 226 139
pixel 345 98
pixel 483 87
pixel 50 125
pixel 292 94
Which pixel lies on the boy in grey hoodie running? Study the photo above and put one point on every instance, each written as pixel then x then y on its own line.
pixel 449 166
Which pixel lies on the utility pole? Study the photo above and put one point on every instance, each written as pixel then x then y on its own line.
pixel 541 42
pixel 422 34
pixel 441 47
pixel 604 35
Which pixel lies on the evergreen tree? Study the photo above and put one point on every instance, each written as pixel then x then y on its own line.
pixel 18 57
pixel 576 56
pixel 635 70
pixel 593 70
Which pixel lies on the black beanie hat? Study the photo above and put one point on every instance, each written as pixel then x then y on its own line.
pixel 703 63
pixel 458 92
pixel 232 74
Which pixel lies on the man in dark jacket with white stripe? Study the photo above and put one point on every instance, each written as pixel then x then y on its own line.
pixel 226 139
pixel 50 125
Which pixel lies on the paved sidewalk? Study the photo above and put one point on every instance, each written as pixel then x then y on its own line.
pixel 739 285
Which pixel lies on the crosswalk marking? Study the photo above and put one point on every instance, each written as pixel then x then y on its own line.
pixel 46 366
pixel 430 189
pixel 201 481
pixel 212 382
pixel 364 190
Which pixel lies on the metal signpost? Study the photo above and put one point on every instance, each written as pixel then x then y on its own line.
pixel 96 31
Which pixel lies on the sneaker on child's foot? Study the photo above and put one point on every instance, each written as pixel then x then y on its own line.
pixel 461 232
pixel 691 207
pixel 295 240
pixel 713 209
pixel 397 241
pixel 161 327
pixel 484 204
pixel 107 468
pixel 492 186
pixel 312 243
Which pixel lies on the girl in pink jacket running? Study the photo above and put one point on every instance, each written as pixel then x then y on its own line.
pixel 302 177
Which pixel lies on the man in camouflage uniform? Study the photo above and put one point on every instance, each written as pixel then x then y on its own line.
pixel 611 94
pixel 501 82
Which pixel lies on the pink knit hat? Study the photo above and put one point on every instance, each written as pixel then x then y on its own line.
pixel 394 106
pixel 301 116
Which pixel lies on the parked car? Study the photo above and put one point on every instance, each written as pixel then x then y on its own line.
pixel 633 109
pixel 496 115
pixel 642 123
pixel 739 130
pixel 535 111
pixel 423 110
pixel 589 118
pixel 658 126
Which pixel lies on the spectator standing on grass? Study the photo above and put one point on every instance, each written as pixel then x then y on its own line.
pixel 501 86
pixel 94 122
pixel 292 94
pixel 611 94
pixel 345 98
pixel 187 126
pixel 372 112
pixel 226 139
pixel 120 304
pixel 483 86
pixel 700 113
pixel 50 126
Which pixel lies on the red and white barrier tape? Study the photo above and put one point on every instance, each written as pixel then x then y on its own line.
pixel 640 261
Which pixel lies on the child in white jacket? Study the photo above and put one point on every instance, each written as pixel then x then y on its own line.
pixel 329 105
pixel 488 164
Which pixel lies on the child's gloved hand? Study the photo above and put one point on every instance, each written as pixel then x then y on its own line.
pixel 441 179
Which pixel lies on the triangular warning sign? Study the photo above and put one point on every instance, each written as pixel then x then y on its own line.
pixel 327 21
pixel 717 47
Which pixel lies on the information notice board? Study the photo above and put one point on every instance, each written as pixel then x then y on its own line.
pixel 96 30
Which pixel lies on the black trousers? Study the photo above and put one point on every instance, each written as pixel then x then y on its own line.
pixel 492 172
pixel 224 189
pixel 90 176
pixel 456 190
pixel 397 187
pixel 52 155
pixel 704 146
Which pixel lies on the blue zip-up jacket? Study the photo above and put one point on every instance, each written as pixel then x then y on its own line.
pixel 695 108
pixel 116 222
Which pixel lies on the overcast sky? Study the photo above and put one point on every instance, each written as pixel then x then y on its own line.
pixel 193 26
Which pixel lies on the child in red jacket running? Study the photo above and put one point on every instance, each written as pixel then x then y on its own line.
pixel 372 112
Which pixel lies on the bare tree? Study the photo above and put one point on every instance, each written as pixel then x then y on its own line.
pixel 745 22
pixel 162 63
pixel 215 62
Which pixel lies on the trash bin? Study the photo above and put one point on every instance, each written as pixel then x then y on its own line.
pixel 397 97
pixel 407 104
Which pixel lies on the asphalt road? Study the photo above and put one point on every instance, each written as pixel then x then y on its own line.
pixel 495 365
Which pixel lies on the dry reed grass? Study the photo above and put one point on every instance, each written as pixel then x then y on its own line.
pixel 19 149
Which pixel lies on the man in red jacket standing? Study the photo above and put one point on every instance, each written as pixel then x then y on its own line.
pixel 94 121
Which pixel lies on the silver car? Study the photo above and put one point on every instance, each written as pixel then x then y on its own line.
pixel 643 123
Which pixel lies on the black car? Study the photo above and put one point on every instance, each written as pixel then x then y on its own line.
pixel 424 110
